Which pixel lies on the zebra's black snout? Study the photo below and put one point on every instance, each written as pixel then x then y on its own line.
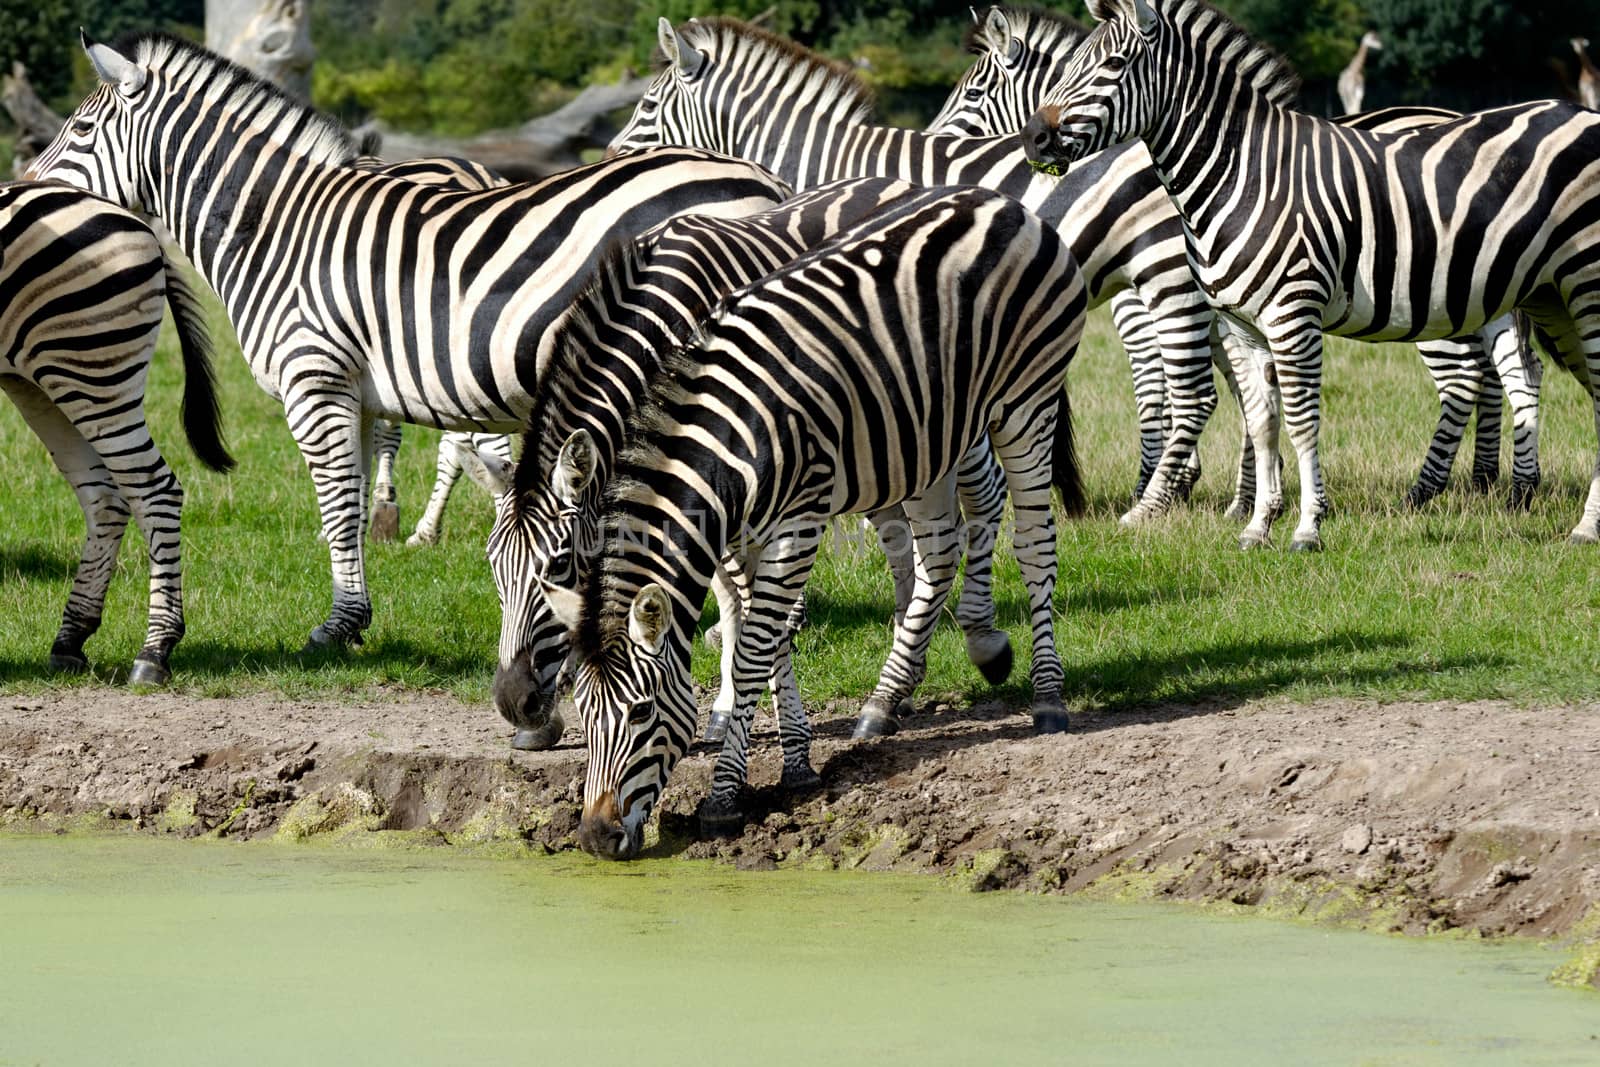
pixel 1037 136
pixel 518 698
pixel 601 832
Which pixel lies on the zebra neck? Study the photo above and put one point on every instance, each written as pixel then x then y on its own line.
pixel 601 399
pixel 800 144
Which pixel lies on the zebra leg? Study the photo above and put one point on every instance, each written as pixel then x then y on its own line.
pixel 385 509
pixel 1262 407
pixel 1491 405
pixel 1572 341
pixel 1138 334
pixel 776 581
pixel 1191 398
pixel 1024 448
pixel 981 488
pixel 894 537
pixel 105 516
pixel 1454 365
pixel 730 585
pixel 794 728
pixel 326 421
pixel 1233 361
pixel 1298 359
pixel 1521 376
pixel 931 516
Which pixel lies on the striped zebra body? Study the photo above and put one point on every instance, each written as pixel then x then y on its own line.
pixel 453 173
pixel 1023 53
pixel 645 301
pixel 81 289
pixel 854 378
pixel 358 296
pixel 1300 226
pixel 732 88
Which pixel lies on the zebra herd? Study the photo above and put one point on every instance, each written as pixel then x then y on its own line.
pixel 761 311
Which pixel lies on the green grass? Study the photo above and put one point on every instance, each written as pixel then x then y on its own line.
pixel 1462 601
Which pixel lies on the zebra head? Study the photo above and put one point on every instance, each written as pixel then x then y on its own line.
pixel 667 114
pixel 538 549
pixel 1107 95
pixel 94 150
pixel 1021 54
pixel 634 697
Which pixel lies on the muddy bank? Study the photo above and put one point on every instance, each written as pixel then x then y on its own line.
pixel 1412 817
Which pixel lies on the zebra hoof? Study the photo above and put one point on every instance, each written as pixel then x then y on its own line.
pixel 539 738
pixel 991 654
pixel 1417 497
pixel 719 818
pixel 1521 498
pixel 385 522
pixel 1239 511
pixel 1050 718
pixel 1307 544
pixel 1483 482
pixel 717 728
pixel 800 779
pixel 714 637
pixel 420 540
pixel 1249 542
pixel 1582 537
pixel 67 663
pixel 148 674
pixel 874 722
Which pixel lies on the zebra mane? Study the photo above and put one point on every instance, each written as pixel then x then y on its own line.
pixel 620 266
pixel 1038 26
pixel 1247 59
pixel 318 138
pixel 726 38
pixel 605 616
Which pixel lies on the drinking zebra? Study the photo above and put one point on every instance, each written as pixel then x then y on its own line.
pixel 855 377
pixel 83 284
pixel 1022 53
pixel 733 88
pixel 1298 225
pixel 452 173
pixel 646 299
pixel 355 295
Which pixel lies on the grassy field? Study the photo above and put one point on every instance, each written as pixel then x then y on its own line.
pixel 1464 600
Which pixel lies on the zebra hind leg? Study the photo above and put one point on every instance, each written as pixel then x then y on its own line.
pixel 1137 331
pixel 1570 333
pixel 326 422
pixel 1455 365
pixel 981 488
pixel 385 505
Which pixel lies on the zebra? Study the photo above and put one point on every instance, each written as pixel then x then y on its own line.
pixel 83 285
pixel 454 173
pixel 854 377
pixel 730 87
pixel 646 299
pixel 357 295
pixel 1300 226
pixel 1023 52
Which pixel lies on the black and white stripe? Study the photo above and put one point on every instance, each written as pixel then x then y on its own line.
pixel 730 87
pixel 1298 225
pixel 359 296
pixel 854 378
pixel 81 289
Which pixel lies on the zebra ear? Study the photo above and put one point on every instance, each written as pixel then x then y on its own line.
pixel 679 52
pixel 650 618
pixel 112 67
pixel 1101 10
pixel 997 32
pixel 565 604
pixel 1144 15
pixel 489 471
pixel 574 467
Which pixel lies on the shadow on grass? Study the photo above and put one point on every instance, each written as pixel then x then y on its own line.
pixel 36 561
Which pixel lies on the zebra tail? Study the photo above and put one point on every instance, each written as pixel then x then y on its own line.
pixel 202 417
pixel 1065 474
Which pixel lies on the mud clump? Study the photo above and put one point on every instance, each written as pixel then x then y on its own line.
pixel 1408 817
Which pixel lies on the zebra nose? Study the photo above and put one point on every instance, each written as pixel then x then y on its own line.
pixel 1038 133
pixel 601 833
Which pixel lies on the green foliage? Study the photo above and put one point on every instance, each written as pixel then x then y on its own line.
pixel 43 34
pixel 1318 36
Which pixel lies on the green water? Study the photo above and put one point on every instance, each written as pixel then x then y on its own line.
pixel 139 951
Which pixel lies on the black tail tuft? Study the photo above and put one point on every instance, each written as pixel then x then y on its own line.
pixel 202 418
pixel 1065 474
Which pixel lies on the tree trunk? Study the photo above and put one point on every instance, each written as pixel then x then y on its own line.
pixel 36 124
pixel 269 37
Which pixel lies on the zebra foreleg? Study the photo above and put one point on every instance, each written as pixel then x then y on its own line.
pixel 931 517
pixel 1298 359
pixel 730 584
pixel 1143 347
pixel 1024 449
pixel 1521 376
pixel 1185 339
pixel 777 581
pixel 1455 365
pixel 981 488
pixel 1259 385
pixel 385 507
pixel 1233 361
pixel 327 423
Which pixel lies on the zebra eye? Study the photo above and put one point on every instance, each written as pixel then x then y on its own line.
pixel 975 93
pixel 1115 62
pixel 639 713
pixel 82 127
pixel 648 105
